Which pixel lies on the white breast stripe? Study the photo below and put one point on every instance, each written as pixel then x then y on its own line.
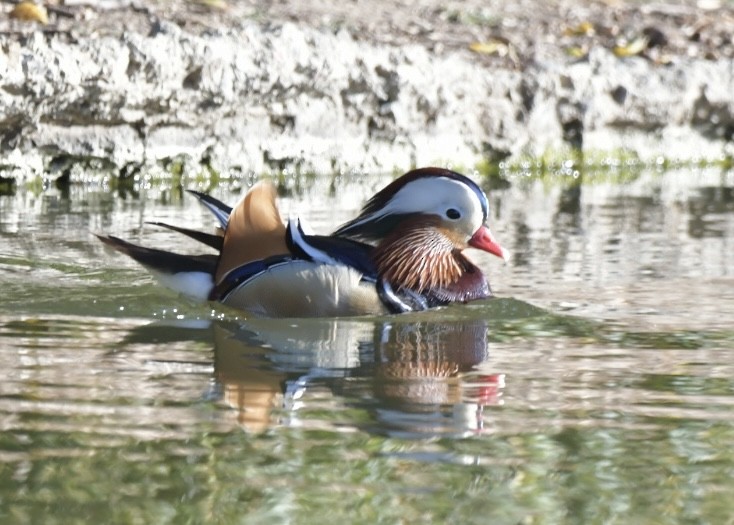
pixel 296 233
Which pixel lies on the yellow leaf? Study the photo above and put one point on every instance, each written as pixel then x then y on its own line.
pixel 489 48
pixel 30 12
pixel 576 52
pixel 635 47
pixel 214 4
pixel 583 29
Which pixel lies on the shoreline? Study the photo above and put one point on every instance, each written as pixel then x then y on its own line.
pixel 260 94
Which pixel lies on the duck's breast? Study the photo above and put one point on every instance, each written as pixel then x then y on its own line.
pixel 298 288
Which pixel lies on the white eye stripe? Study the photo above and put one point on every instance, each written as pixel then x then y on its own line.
pixel 435 196
pixel 424 196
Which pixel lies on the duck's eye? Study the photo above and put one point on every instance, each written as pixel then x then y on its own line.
pixel 453 213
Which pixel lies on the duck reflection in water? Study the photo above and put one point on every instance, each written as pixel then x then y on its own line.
pixel 413 378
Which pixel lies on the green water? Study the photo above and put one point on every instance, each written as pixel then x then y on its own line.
pixel 597 388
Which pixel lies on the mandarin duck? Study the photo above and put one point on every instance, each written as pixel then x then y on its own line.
pixel 403 252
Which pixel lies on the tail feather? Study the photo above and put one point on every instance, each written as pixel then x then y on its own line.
pixel 213 241
pixel 161 260
pixel 220 210
pixel 192 275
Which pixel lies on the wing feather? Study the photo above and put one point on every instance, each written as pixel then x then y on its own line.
pixel 254 231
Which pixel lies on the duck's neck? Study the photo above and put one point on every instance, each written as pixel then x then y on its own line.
pixel 420 258
pixel 472 285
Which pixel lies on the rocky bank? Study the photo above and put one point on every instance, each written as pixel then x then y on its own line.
pixel 258 87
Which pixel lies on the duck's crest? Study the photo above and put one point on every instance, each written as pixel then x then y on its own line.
pixel 374 221
pixel 254 230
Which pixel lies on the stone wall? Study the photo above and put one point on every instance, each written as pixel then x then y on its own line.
pixel 266 97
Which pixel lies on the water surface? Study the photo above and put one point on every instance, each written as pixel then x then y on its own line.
pixel 597 388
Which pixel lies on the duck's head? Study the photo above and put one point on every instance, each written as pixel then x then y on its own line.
pixel 420 224
pixel 428 198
